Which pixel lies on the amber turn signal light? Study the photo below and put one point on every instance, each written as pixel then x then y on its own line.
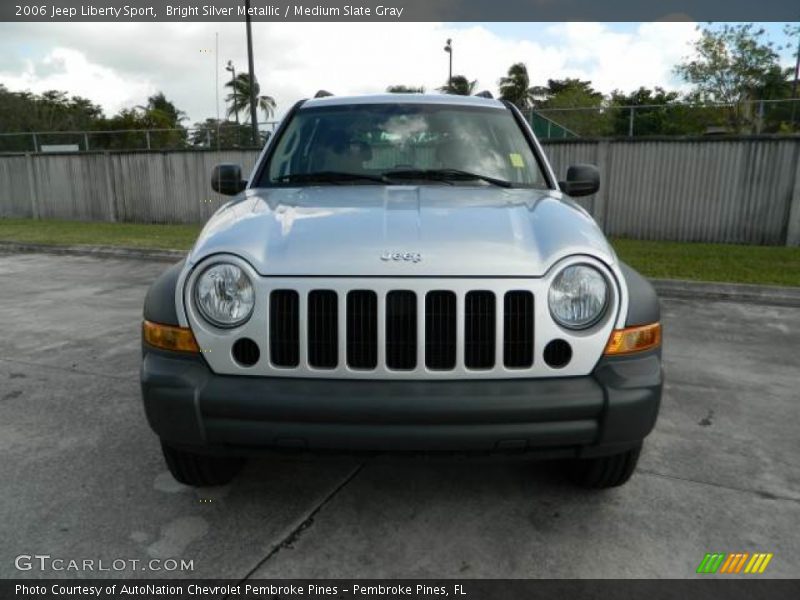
pixel 168 337
pixel 634 339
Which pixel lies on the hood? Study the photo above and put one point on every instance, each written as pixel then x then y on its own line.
pixel 390 231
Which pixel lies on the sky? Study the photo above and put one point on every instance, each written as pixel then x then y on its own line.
pixel 118 65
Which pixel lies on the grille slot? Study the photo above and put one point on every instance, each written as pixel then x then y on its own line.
pixel 440 330
pixel 479 330
pixel 362 329
pixel 284 333
pixel 323 334
pixel 518 330
pixel 401 330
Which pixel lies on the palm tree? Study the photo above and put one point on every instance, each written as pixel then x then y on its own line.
pixel 516 86
pixel 459 86
pixel 158 102
pixel 159 113
pixel 239 98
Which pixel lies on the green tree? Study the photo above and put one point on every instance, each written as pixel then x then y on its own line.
pixel 575 105
pixel 732 65
pixel 51 111
pixel 162 110
pixel 459 86
pixel 231 134
pixel 160 117
pixel 61 119
pixel 239 98
pixel 405 89
pixel 126 130
pixel 516 87
pixel 566 92
pixel 657 112
pixel 775 116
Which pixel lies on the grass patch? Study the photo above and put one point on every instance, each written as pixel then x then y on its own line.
pixel 770 265
pixel 133 235
pixel 731 263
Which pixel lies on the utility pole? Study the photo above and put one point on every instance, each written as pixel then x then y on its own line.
pixel 796 77
pixel 449 49
pixel 253 107
pixel 216 80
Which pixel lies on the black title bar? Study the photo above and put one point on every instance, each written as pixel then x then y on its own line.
pixel 706 588
pixel 400 10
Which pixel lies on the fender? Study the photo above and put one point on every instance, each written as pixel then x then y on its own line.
pixel 159 304
pixel 643 306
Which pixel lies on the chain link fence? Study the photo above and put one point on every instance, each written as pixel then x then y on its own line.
pixel 229 136
pixel 746 118
pixel 674 119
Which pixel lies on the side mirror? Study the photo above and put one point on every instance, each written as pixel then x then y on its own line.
pixel 227 179
pixel 582 180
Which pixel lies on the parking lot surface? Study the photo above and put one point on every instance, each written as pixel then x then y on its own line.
pixel 83 476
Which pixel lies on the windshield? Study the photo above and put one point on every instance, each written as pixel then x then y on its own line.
pixel 401 144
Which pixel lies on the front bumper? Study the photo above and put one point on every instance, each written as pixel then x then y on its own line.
pixel 191 407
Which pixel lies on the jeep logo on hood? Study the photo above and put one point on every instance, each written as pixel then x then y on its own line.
pixel 414 257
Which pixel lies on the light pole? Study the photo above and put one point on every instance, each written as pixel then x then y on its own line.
pixel 449 49
pixel 232 70
pixel 796 77
pixel 216 80
pixel 253 107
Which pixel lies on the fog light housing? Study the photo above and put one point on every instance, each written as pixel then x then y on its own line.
pixel 634 339
pixel 169 337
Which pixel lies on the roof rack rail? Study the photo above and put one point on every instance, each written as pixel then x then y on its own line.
pixel 322 94
pixel 485 94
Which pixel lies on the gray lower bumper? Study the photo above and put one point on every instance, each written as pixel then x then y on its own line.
pixel 189 406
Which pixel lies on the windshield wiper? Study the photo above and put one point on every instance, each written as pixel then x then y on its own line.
pixel 328 177
pixel 446 175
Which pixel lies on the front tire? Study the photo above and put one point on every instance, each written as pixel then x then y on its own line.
pixel 605 471
pixel 200 470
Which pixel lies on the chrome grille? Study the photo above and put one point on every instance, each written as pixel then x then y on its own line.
pixel 312 323
pixel 401 330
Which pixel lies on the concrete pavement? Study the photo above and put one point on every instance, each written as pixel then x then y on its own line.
pixel 83 476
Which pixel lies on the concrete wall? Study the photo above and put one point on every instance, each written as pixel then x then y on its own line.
pixel 139 187
pixel 711 190
pixel 738 191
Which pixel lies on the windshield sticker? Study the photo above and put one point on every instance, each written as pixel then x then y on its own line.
pixel 516 160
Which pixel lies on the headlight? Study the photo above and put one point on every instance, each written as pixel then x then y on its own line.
pixel 224 295
pixel 578 296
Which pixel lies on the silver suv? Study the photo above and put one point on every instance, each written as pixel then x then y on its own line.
pixel 402 273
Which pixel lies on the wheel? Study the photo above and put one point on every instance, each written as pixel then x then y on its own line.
pixel 605 471
pixel 200 470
